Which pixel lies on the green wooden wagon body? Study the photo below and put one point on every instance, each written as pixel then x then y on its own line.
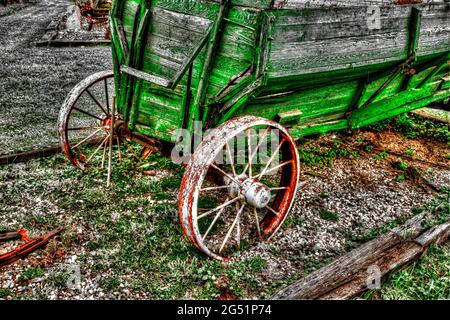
pixel 314 66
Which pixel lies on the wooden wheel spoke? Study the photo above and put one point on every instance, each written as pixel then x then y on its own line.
pixel 273 211
pixel 279 188
pixel 83 128
pixel 131 149
pixel 214 188
pixel 266 132
pixel 97 150
pixel 250 159
pixel 231 158
pixel 238 232
pixel 88 113
pixel 96 102
pixel 236 220
pixel 86 139
pixel 105 148
pixel 226 204
pixel 225 174
pixel 274 169
pixel 258 227
pixel 120 152
pixel 107 94
pixel 275 154
pixel 213 223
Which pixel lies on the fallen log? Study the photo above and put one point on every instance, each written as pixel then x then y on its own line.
pixel 348 276
pixel 394 258
pixel 428 116
pixel 28 155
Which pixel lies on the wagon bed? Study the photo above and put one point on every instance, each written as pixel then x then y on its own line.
pixel 290 46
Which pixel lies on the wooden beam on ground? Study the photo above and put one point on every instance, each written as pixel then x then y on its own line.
pixel 435 117
pixel 347 276
pixel 28 155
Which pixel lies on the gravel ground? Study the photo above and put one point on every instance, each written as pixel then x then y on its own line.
pixel 36 80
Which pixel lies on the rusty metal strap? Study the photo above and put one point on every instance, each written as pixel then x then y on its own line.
pixel 28 247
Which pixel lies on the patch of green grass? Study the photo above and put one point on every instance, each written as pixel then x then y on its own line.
pixel 401 166
pixel 59 278
pixel 439 208
pixel 110 284
pixel 426 279
pixel 319 158
pixel 171 183
pixel 293 220
pixel 4 292
pixel 208 202
pixel 414 126
pixel 329 216
pixel 32 273
pixel 382 155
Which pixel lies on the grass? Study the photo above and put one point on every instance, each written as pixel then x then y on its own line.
pixel 414 126
pixel 425 279
pixel 320 158
pixel 4 292
pixel 329 216
pixel 30 274
pixel 133 229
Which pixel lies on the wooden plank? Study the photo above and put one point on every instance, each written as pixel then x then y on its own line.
pixel 28 155
pixel 347 267
pixel 289 116
pixel 438 234
pixel 393 259
pixel 297 57
pixel 145 76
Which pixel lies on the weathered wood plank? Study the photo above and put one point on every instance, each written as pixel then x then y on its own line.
pixel 346 267
pixel 394 258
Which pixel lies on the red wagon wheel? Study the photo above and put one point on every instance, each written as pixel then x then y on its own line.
pixel 225 206
pixel 85 123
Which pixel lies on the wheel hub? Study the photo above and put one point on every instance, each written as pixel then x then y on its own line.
pixel 107 122
pixel 253 192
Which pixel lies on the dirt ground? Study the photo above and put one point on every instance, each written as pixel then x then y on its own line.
pixel 34 81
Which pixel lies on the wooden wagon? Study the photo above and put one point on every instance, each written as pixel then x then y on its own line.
pixel 255 71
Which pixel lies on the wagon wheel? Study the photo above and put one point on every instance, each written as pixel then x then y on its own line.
pixel 85 124
pixel 251 198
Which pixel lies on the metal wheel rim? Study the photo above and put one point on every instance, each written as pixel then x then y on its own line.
pixel 68 107
pixel 199 167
